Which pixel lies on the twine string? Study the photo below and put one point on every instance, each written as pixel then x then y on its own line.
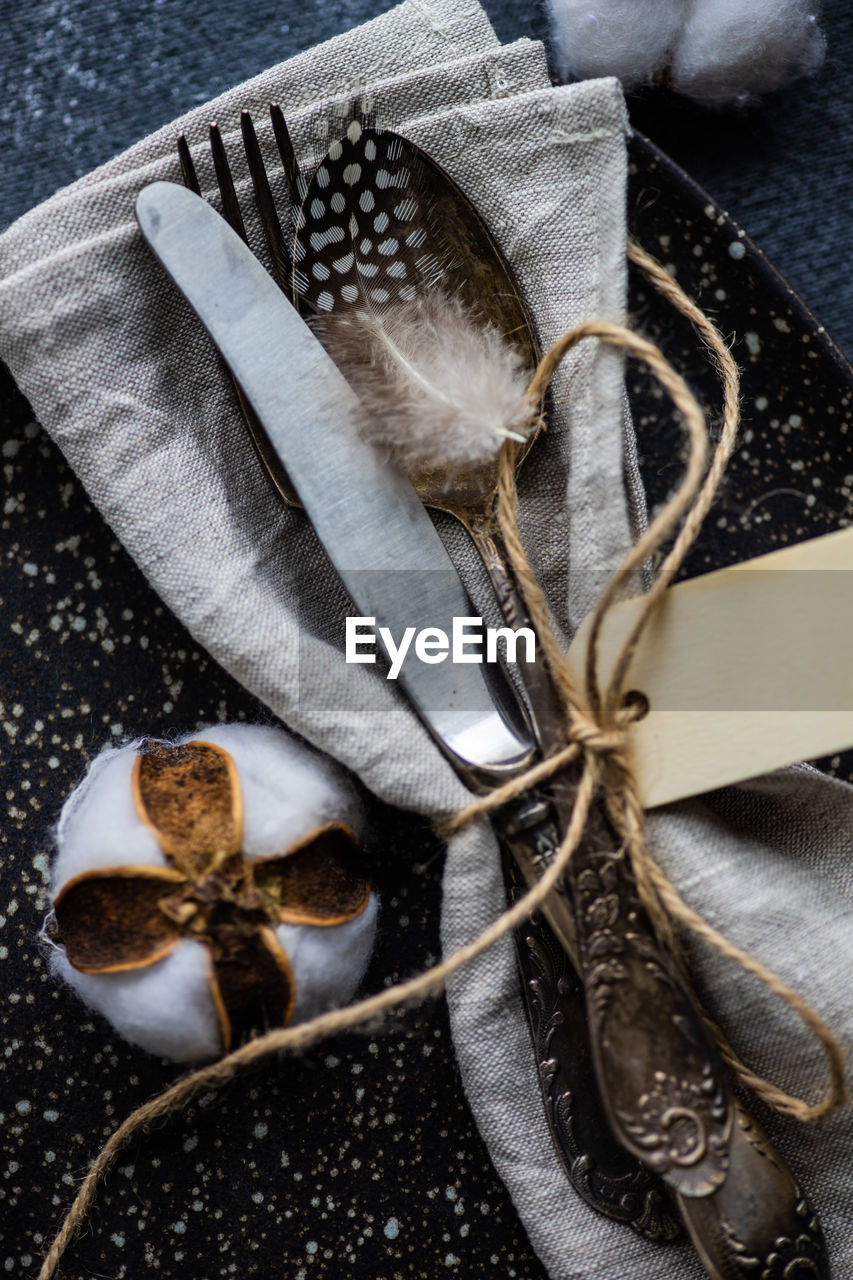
pixel 597 736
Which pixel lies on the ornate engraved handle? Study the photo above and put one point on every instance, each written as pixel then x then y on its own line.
pixel 759 1225
pixel 661 1076
pixel 606 1176
pixel 627 1044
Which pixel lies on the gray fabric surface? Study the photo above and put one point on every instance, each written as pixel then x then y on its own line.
pixel 122 376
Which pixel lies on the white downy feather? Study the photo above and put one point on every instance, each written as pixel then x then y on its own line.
pixel 437 389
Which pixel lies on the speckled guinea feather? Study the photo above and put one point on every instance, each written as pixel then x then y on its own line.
pixel 362 228
pixel 439 385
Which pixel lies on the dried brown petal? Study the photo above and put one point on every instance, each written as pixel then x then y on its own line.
pixel 190 796
pixel 110 920
pixel 252 986
pixel 315 882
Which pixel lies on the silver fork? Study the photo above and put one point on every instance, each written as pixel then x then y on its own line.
pixel 282 266
pixel 279 254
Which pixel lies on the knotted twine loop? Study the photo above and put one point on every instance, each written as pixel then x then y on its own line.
pixel 598 719
pixel 600 738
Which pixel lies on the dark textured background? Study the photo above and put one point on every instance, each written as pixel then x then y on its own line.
pixel 361 1158
pixel 81 81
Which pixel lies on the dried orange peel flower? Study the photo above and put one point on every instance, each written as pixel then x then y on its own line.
pixel 128 917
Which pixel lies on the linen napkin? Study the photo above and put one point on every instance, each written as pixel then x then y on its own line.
pixel 121 374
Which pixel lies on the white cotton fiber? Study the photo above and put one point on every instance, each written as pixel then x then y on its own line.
pixel 99 825
pixel 288 791
pixel 714 51
pixel 166 1008
pixel 330 962
pixel 629 39
pixel 729 50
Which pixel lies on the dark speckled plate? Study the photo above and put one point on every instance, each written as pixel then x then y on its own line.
pixel 792 476
pixel 360 1157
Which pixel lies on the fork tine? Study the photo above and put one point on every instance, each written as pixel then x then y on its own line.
pixel 231 210
pixel 273 234
pixel 295 181
pixel 225 182
pixel 187 167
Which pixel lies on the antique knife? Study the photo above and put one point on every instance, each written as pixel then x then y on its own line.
pixel 365 512
pixel 372 525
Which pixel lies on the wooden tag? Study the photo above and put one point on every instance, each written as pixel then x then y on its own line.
pixel 745 670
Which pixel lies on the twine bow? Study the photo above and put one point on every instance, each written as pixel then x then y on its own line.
pixel 597 731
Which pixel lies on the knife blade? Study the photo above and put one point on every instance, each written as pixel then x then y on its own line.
pixel 379 537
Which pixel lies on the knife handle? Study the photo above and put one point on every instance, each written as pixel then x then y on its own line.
pixel 660 1075
pixel 529 830
pixel 610 1179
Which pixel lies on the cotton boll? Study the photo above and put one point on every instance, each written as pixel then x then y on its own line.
pixel 729 50
pixel 288 791
pixel 614 37
pixel 714 51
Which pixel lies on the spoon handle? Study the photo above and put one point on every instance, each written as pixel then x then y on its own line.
pixel 664 1086
pixel 600 1038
